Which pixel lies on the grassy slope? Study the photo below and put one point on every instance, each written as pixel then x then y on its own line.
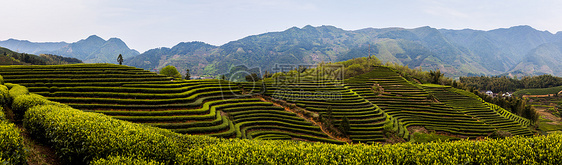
pixel 538 91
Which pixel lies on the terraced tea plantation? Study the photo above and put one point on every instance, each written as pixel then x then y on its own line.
pixel 210 107
pixel 366 120
pixel 491 115
pixel 443 111
pixel 224 109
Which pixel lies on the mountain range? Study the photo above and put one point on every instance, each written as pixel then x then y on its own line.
pixel 90 50
pixel 515 51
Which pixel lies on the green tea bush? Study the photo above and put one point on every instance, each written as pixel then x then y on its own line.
pixel 1 80
pixel 4 95
pixel 123 160
pixel 23 102
pixel 2 115
pixel 79 137
pixel 16 90
pixel 11 143
pixel 500 134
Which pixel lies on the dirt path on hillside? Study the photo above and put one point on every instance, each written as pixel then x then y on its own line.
pixel 329 133
pixel 546 115
pixel 37 153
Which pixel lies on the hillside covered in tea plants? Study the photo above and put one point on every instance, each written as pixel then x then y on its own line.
pixel 106 113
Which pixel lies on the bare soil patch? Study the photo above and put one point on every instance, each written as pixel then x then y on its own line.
pixel 546 115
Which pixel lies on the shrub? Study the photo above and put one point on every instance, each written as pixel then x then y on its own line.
pixel 1 80
pixel 23 102
pixel 11 143
pixel 2 115
pixel 500 134
pixel 170 71
pixel 79 137
pixel 4 95
pixel 17 90
pixel 122 160
pixel 344 126
pixel 388 128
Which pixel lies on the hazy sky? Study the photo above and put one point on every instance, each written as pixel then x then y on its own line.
pixel 147 24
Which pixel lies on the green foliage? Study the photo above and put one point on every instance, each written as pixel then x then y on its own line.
pixel 500 134
pixel 9 57
pixel 514 105
pixel 11 143
pixel 418 74
pixel 252 77
pixel 84 137
pixel 344 126
pixel 2 115
pixel 520 118
pixel 79 137
pixel 329 114
pixel 358 66
pixel 430 137
pixel 504 83
pixel 187 75
pixel 24 102
pixel 388 128
pixel 123 160
pixel 59 60
pixel 535 150
pixel 16 90
pixel 435 76
pixel 539 91
pixel 4 95
pixel 170 71
pixel 548 126
pixel 430 97
pixel 1 80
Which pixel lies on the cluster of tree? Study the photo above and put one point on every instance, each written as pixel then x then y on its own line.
pixel 59 60
pixel 328 117
pixel 43 59
pixel 504 83
pixel 170 71
pixel 359 65
pixel 253 77
pixel 31 59
pixel 120 59
pixel 515 105
pixel 559 109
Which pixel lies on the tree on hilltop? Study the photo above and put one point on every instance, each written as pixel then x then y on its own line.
pixel 170 71
pixel 120 59
pixel 187 75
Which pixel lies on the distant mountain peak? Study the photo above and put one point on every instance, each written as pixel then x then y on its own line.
pixel 522 27
pixel 308 27
pixel 94 37
pixel 115 39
